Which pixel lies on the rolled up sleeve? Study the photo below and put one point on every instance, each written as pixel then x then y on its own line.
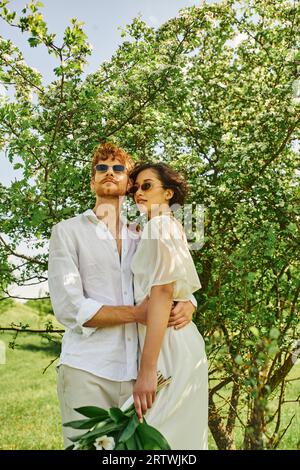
pixel 70 306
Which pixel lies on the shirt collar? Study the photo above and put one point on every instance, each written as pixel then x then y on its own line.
pixel 90 215
pixel 125 223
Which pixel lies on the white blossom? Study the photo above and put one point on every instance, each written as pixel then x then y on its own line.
pixel 104 442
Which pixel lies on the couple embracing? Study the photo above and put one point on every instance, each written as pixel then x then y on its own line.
pixel 125 299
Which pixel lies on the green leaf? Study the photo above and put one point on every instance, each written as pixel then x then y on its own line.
pixel 151 438
pixel 99 431
pixel 254 330
pixel 120 446
pixel 33 42
pixel 70 447
pixel 130 428
pixel 138 441
pixel 273 349
pixel 274 333
pixel 17 166
pixel 93 412
pixel 75 438
pixel 117 415
pixel 251 276
pixel 131 443
pixel 239 360
pixel 83 423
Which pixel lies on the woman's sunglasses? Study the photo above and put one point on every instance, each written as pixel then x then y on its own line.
pixel 144 187
pixel 116 168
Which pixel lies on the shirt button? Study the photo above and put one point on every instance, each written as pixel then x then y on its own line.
pixel 129 339
pixel 125 292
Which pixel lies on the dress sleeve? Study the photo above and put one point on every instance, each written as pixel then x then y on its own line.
pixel 193 300
pixel 169 257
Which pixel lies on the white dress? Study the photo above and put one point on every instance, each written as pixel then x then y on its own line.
pixel 180 410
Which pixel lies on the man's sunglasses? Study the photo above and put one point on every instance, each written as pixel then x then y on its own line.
pixel 116 168
pixel 144 187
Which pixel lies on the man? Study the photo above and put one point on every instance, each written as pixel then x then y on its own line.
pixel 91 290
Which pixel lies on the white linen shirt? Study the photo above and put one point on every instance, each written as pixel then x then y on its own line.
pixel 85 273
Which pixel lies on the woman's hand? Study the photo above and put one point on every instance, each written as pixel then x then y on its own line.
pixel 144 391
pixel 181 314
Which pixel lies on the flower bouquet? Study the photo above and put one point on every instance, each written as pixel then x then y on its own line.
pixel 117 428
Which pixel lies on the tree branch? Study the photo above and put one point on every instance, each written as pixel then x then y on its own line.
pixel 22 298
pixel 19 255
pixel 25 330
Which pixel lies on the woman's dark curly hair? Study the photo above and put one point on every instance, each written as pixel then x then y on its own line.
pixel 169 178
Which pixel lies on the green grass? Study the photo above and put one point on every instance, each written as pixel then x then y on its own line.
pixel 29 409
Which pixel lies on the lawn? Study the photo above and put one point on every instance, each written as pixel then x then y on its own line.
pixel 29 410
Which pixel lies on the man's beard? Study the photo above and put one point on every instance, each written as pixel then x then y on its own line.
pixel 110 192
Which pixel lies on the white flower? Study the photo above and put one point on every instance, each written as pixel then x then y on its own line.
pixel 104 442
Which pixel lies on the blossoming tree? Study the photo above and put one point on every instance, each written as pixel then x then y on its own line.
pixel 213 91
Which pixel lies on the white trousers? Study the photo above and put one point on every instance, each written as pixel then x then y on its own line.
pixel 76 388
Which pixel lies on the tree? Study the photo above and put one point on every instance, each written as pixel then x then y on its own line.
pixel 210 91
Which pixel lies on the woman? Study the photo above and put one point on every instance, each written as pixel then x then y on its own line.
pixel 163 269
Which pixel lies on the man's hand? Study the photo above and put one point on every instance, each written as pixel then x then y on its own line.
pixel 181 314
pixel 140 311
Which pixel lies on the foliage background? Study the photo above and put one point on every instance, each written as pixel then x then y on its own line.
pixel 214 92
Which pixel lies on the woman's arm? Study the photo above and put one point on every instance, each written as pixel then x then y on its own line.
pixel 159 308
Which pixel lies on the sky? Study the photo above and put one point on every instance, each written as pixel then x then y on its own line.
pixel 102 22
